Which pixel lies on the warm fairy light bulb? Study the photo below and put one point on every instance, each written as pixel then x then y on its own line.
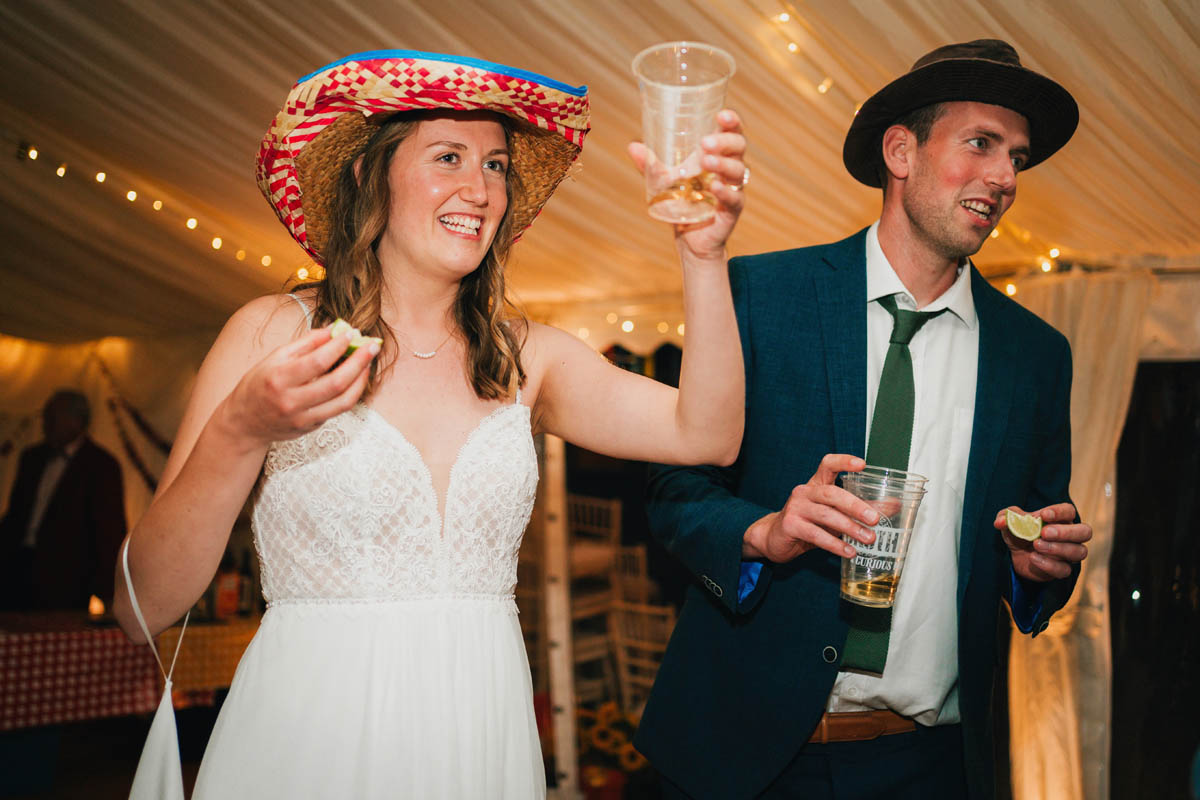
pixel 240 255
pixel 995 233
pixel 302 274
pixel 216 243
pixel 1010 289
pixel 784 17
pixel 100 176
pixel 1046 265
pixel 679 330
pixel 32 154
pixel 824 85
pixel 61 171
pixel 662 327
pixel 158 205
pixel 627 326
pixel 191 223
pixel 793 47
pixel 1054 251
pixel 266 261
pixel 611 317
pixel 584 333
pixel 131 195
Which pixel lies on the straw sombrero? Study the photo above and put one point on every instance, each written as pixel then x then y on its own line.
pixel 984 71
pixel 330 114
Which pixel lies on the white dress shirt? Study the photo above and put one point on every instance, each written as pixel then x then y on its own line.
pixel 51 475
pixel 921 677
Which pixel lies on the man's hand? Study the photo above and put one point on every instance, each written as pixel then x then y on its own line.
pixel 1052 556
pixel 816 515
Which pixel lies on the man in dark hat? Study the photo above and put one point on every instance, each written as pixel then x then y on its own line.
pixel 888 345
pixel 66 516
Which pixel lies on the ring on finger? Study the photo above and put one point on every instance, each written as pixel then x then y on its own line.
pixel 745 180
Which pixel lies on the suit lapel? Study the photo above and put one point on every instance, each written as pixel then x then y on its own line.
pixel 994 389
pixel 841 291
pixel 69 478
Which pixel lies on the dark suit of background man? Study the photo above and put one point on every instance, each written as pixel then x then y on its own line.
pixel 754 697
pixel 65 518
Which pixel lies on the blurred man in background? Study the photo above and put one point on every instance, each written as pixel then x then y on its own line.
pixel 66 516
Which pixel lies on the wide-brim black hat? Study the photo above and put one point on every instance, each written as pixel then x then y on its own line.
pixel 982 71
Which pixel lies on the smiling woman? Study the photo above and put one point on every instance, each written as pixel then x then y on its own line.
pixel 423 159
pixel 392 487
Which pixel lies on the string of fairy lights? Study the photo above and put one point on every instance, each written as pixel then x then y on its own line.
pixel 790 28
pixel 172 213
pixel 629 323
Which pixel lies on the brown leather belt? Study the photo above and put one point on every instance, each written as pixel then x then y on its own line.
pixel 857 726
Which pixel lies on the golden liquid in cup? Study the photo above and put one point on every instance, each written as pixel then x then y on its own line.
pixel 685 201
pixel 879 592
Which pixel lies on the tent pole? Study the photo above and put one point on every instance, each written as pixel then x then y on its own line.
pixel 558 621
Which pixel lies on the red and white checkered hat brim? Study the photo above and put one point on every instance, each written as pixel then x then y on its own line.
pixel 326 121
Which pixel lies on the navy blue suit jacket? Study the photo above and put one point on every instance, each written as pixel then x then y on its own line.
pixel 742 685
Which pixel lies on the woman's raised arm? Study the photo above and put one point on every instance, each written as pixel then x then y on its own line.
pixel 596 405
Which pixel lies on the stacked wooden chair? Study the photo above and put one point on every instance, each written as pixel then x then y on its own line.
pixel 594 530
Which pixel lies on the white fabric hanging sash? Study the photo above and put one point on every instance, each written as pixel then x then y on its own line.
pixel 159 773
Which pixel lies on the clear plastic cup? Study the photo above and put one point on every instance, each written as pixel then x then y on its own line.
pixel 871 577
pixel 682 85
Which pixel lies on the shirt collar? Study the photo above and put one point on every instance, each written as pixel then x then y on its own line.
pixel 882 280
pixel 71 448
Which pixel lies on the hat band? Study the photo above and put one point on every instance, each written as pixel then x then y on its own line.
pixel 488 66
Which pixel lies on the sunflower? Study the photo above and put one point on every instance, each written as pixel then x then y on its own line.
pixel 629 758
pixel 608 713
pixel 603 738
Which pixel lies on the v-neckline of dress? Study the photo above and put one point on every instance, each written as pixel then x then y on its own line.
pixel 440 502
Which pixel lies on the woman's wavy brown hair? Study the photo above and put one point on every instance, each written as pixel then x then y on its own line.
pixel 353 284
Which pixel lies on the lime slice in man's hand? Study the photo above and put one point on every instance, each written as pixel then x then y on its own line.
pixel 1023 526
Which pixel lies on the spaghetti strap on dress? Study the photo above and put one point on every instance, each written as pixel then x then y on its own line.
pixel 308 312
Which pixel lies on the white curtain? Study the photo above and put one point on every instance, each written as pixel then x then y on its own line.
pixel 1060 684
pixel 1171 329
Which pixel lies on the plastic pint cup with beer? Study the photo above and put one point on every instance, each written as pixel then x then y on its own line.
pixel 682 85
pixel 871 577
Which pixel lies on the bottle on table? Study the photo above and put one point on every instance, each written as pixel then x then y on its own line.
pixel 247 586
pixel 227 595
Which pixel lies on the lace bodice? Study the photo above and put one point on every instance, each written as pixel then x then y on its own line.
pixel 349 512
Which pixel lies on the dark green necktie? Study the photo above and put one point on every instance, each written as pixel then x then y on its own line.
pixel 888 446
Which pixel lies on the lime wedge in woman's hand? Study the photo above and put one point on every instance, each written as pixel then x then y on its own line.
pixel 1023 526
pixel 340 328
pixel 362 341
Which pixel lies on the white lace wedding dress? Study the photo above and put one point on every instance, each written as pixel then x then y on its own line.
pixel 389 663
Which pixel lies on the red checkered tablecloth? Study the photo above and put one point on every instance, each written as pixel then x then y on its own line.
pixel 64 676
pixel 209 655
pixel 56 668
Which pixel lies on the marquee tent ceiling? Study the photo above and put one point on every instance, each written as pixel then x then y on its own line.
pixel 170 99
